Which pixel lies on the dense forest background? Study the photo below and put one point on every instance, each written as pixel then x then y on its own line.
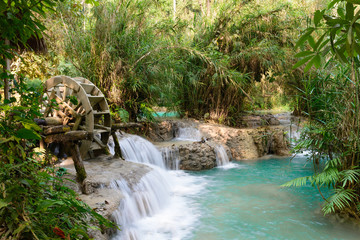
pixel 204 59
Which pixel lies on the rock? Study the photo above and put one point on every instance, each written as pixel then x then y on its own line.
pixel 196 156
pixel 243 143
pixel 163 131
pixel 270 120
pixel 101 171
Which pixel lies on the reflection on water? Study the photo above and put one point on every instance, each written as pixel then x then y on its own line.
pixel 247 203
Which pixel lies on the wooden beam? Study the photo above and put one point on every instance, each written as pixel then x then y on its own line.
pixel 126 125
pixel 117 145
pixel 68 136
pixel 78 164
pixel 56 129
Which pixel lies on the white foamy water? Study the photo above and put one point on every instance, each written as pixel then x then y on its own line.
pixel 159 206
pixel 138 149
pixel 188 134
pixel 171 157
pixel 222 157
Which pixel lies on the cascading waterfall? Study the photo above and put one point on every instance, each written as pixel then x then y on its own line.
pixel 171 157
pixel 144 199
pixel 158 206
pixel 137 149
pixel 188 134
pixel 222 157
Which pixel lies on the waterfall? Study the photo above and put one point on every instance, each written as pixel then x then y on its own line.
pixel 221 156
pixel 158 206
pixel 171 157
pixel 188 134
pixel 138 149
pixel 144 199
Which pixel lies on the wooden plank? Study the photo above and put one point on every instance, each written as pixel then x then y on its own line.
pixel 101 113
pixel 95 99
pixel 88 87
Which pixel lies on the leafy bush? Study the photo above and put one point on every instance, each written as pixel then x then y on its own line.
pixel 332 104
pixel 34 202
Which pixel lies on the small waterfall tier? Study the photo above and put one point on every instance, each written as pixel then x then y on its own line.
pixel 171 157
pixel 138 149
pixel 188 134
pixel 142 200
pixel 222 157
pixel 158 205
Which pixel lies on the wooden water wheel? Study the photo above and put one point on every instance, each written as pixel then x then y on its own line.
pixel 81 106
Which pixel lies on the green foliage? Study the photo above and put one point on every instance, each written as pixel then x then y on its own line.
pixel 197 63
pixel 21 20
pixel 332 104
pixel 34 202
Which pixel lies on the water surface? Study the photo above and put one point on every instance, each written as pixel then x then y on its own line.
pixel 244 201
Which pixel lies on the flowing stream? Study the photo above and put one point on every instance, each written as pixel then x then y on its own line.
pixel 238 200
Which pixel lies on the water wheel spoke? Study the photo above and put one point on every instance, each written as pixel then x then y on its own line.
pixel 65 105
pixel 65 92
pixel 91 112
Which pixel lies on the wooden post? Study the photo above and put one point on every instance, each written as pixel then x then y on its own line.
pixel 117 145
pixel 78 164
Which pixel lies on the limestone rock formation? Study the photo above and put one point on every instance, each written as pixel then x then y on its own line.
pixel 197 156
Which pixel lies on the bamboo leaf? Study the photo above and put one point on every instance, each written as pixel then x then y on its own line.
pixel 303 54
pixel 331 4
pixel 317 17
pixel 304 37
pixel 302 62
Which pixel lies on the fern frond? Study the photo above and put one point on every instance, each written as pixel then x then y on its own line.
pixel 340 200
pixel 298 182
pixel 350 176
pixel 333 163
pixel 327 177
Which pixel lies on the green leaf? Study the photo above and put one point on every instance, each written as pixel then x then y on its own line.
pixel 353 1
pixel 319 41
pixel 331 4
pixel 341 12
pixel 3 204
pixel 349 11
pixel 317 17
pixel 25 133
pixel 317 61
pixel 44 205
pixel 311 42
pixel 302 61
pixel 303 54
pixel 304 37
pixel 309 65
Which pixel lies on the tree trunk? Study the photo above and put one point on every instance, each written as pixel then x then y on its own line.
pixel 7 81
pixel 174 9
